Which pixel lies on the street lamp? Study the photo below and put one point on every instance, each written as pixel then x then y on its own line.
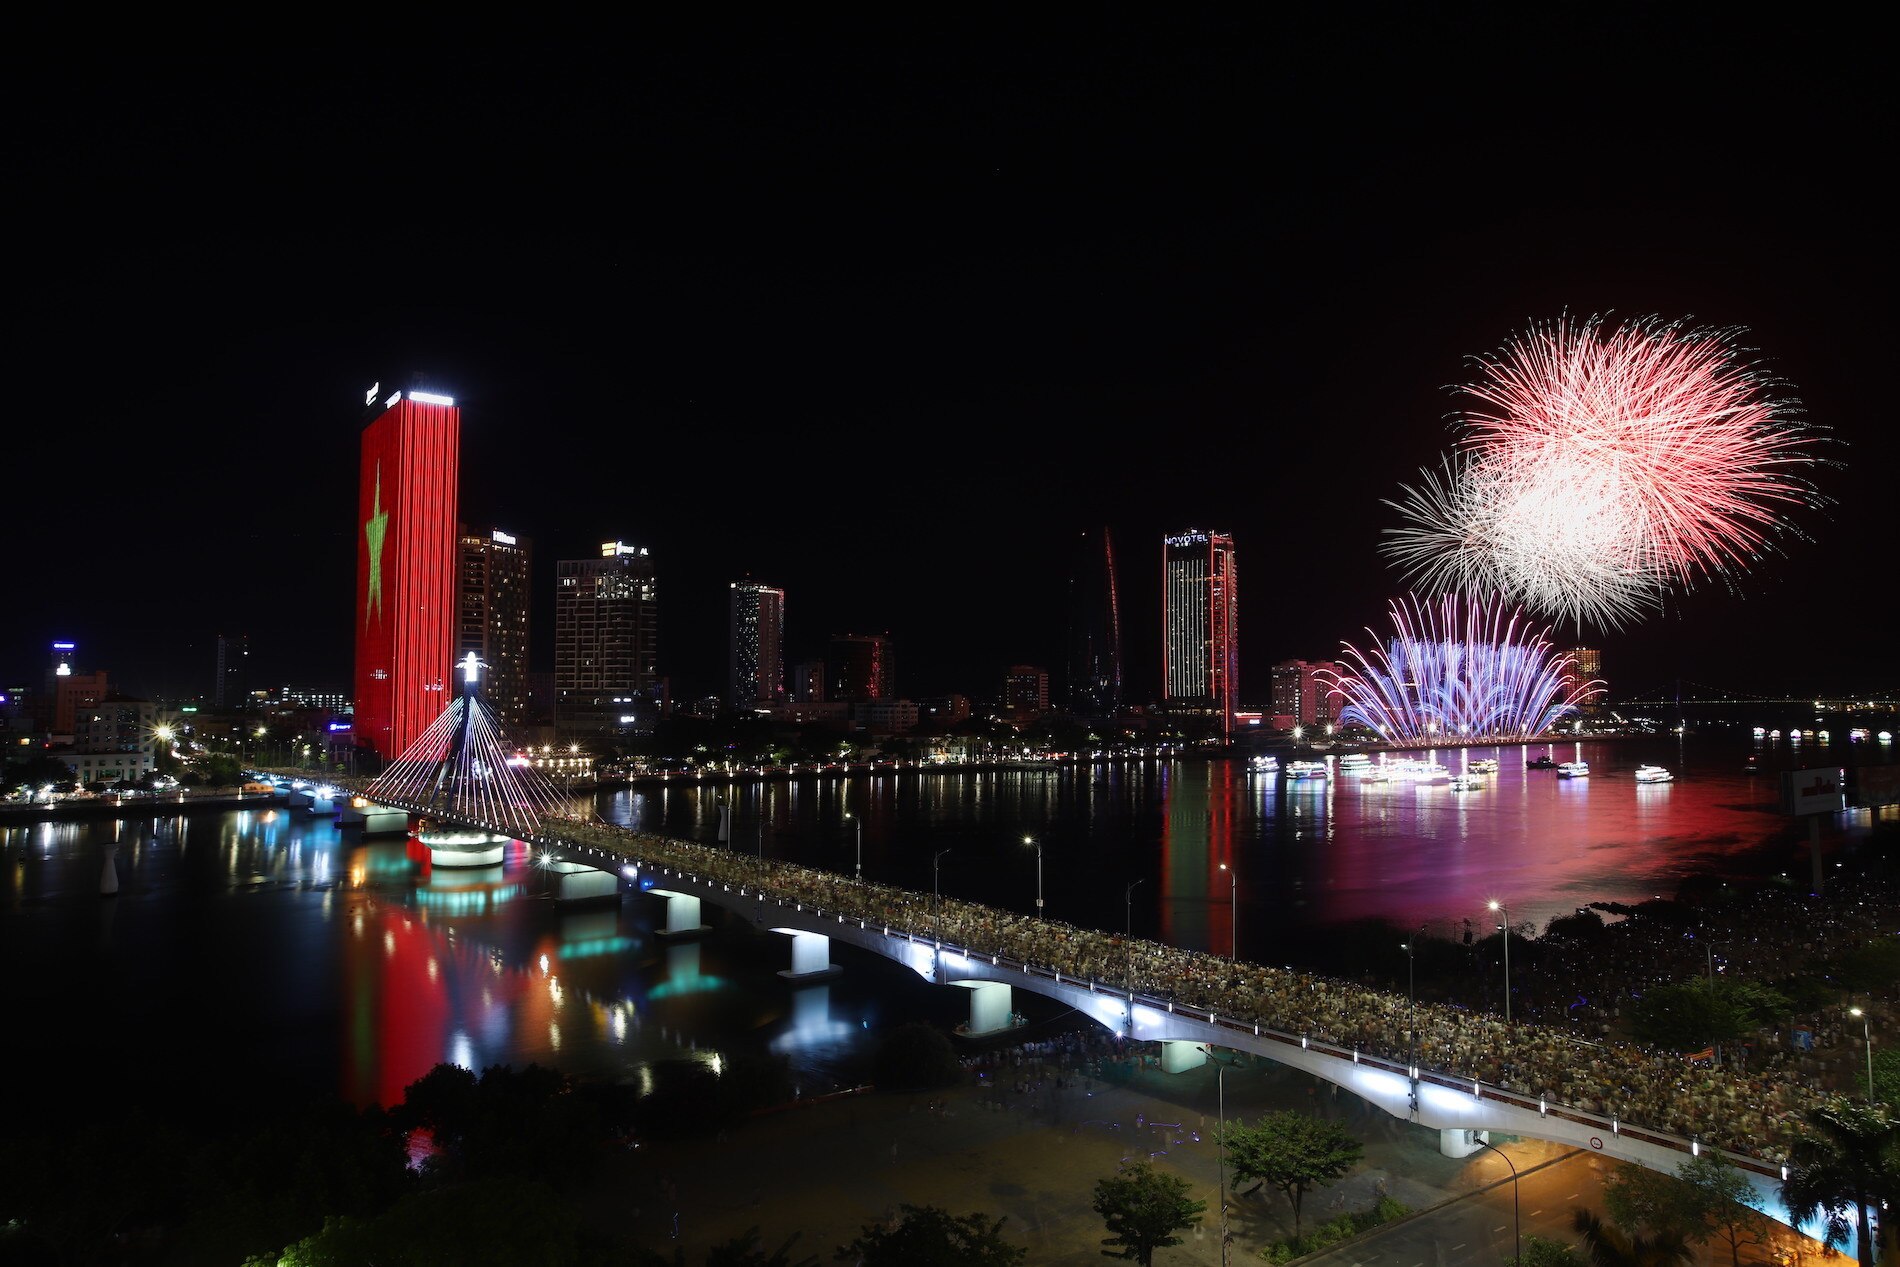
pixel 1411 992
pixel 1517 1223
pixel 859 824
pixel 1031 840
pixel 1220 1084
pixel 936 889
pixel 1233 911
pixel 1867 1037
pixel 1505 911
pixel 1131 905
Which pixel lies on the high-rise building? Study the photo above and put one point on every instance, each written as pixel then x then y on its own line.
pixel 493 620
pixel 861 668
pixel 1095 629
pixel 1300 695
pixel 405 566
pixel 1588 666
pixel 606 640
pixel 755 675
pixel 808 682
pixel 234 678
pixel 1199 644
pixel 1025 691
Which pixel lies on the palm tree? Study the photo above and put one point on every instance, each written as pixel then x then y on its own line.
pixel 1851 1161
pixel 1610 1246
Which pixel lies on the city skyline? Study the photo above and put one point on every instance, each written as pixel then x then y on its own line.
pixel 886 356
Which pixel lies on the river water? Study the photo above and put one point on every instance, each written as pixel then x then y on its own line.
pixel 258 954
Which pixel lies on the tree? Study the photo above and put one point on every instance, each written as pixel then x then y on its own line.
pixel 1691 1014
pixel 1291 1152
pixel 927 1236
pixel 1144 1209
pixel 748 1250
pixel 1887 1079
pixel 916 1056
pixel 1639 1199
pixel 1539 1252
pixel 1610 1246
pixel 1847 1162
pixel 1722 1204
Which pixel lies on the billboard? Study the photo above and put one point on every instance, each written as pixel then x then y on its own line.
pixel 406 555
pixel 1812 791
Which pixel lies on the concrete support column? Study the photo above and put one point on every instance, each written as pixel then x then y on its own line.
pixel 990 1006
pixel 682 914
pixel 1179 1055
pixel 1459 1141
pixel 811 955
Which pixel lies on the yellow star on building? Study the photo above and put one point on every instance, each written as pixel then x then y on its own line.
pixel 374 528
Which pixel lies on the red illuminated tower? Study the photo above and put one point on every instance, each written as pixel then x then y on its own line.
pixel 406 557
pixel 1200 634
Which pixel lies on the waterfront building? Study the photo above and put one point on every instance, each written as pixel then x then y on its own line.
pixel 74 696
pixel 1301 695
pixel 1025 692
pixel 755 669
pixel 1587 664
pixel 861 668
pixel 1200 628
pixel 234 679
pixel 493 619
pixel 405 569
pixel 1095 638
pixel 940 712
pixel 606 641
pixel 808 682
pixel 885 716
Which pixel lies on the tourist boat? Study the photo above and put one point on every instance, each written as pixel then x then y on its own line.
pixel 1265 765
pixel 1653 774
pixel 1573 770
pixel 1464 782
pixel 1301 770
pixel 1353 761
pixel 1484 765
pixel 1540 763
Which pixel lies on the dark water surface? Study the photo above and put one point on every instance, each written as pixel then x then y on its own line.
pixel 256 955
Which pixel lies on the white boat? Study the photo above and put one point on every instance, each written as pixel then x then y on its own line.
pixel 1464 782
pixel 1299 770
pixel 1266 765
pixel 1484 765
pixel 1653 774
pixel 1354 762
pixel 1573 769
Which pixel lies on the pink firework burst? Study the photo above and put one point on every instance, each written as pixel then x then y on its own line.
pixel 1602 466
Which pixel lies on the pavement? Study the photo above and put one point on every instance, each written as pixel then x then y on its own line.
pixel 1033 1158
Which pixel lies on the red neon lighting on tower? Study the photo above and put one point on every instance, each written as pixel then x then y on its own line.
pixel 406 555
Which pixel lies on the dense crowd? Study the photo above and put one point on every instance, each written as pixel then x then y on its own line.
pixel 1755 1111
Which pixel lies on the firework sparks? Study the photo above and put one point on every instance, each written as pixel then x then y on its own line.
pixel 1601 468
pixel 1458 670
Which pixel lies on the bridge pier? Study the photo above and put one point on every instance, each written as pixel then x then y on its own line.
pixel 682 915
pixel 811 956
pixel 1460 1141
pixel 1181 1055
pixel 990 1007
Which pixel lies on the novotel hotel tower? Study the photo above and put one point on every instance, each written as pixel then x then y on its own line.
pixel 406 556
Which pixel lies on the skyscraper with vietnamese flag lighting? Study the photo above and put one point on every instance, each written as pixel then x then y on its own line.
pixel 406 566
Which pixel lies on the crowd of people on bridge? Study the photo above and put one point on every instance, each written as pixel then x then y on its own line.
pixel 1757 1112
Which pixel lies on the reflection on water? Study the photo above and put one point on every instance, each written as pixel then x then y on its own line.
pixel 299 958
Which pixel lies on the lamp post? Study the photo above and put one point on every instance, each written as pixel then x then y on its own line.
pixel 1130 895
pixel 1708 951
pixel 859 824
pixel 1031 840
pixel 1867 1037
pixel 936 890
pixel 1505 911
pixel 1517 1223
pixel 1411 993
pixel 1220 1084
pixel 1233 911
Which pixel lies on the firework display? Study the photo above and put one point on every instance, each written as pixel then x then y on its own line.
pixel 1602 467
pixel 1457 670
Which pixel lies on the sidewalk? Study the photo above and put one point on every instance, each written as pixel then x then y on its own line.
pixel 1033 1157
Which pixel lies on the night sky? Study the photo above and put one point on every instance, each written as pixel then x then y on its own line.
pixel 886 314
